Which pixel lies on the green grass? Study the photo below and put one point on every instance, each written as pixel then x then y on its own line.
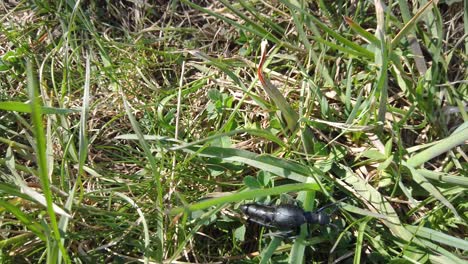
pixel 133 132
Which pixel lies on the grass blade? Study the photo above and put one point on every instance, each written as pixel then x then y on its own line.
pixel 381 59
pixel 32 225
pixel 54 241
pixel 423 182
pixel 142 219
pixel 156 176
pixel 460 180
pixel 410 24
pixel 262 33
pixel 25 108
pixel 442 146
pixel 281 167
pixel 328 30
pixel 439 237
pixel 245 195
pixel 362 32
pixel 268 252
pixel 360 239
pixel 289 114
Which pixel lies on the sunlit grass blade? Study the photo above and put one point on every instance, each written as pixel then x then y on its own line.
pixel 245 195
pixel 289 114
pixel 260 133
pixel 360 239
pixel 29 222
pixel 39 198
pixel 376 203
pixel 25 108
pixel 281 167
pixel 460 180
pixel 222 66
pixel 465 23
pixel 345 50
pixel 441 147
pixel 82 144
pixel 328 30
pixel 298 248
pixel 423 182
pixel 357 210
pixel 16 241
pixel 415 46
pixel 381 60
pixel 270 22
pixel 362 32
pixel 54 240
pixel 156 176
pixel 299 22
pixel 409 26
pixel 249 22
pixel 268 252
pixel 437 236
pixel 83 130
pixel 141 219
pixel 256 30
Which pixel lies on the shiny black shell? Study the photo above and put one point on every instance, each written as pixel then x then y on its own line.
pixel 288 216
pixel 283 217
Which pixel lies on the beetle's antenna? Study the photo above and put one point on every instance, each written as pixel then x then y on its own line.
pixel 331 204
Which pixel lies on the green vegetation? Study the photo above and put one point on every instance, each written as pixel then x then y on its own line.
pixel 132 131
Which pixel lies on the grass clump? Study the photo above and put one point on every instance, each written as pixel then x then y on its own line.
pixel 132 131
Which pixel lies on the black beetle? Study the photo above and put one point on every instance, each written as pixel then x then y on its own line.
pixel 287 218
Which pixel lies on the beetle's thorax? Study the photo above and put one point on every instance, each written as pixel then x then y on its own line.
pixel 289 216
pixel 317 218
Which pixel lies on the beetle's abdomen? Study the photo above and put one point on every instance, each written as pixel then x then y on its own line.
pixel 259 213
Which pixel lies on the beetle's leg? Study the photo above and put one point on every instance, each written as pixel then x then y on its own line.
pixel 260 222
pixel 291 234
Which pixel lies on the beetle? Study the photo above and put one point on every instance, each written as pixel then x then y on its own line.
pixel 287 218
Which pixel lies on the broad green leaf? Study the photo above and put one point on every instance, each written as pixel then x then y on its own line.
pixel 251 182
